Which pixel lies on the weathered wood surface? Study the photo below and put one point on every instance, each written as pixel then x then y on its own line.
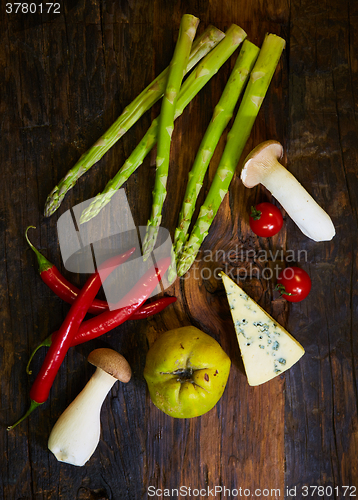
pixel 64 80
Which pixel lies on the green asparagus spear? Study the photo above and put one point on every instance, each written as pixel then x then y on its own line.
pixel 206 69
pixel 178 63
pixel 151 94
pixel 222 115
pixel 255 92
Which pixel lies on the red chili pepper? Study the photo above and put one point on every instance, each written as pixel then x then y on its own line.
pixel 87 328
pixel 106 321
pixel 59 284
pixel 41 387
pixel 68 292
pixel 152 308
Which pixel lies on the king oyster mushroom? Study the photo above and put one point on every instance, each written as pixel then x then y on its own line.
pixel 76 433
pixel 262 167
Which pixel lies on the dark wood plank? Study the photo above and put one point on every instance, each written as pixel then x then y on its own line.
pixel 321 405
pixel 214 438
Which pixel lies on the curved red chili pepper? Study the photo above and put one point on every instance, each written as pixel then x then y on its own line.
pixel 85 331
pixel 52 277
pixel 41 387
pixel 68 292
pixel 152 308
pixel 125 308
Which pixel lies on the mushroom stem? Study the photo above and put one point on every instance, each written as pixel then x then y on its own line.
pixel 313 221
pixel 76 434
pixel 262 167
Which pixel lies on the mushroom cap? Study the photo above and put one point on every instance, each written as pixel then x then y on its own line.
pixel 260 161
pixel 111 362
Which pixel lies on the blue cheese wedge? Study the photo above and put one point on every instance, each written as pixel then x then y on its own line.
pixel 267 349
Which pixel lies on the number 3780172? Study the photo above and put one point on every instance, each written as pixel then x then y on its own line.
pixel 328 491
pixel 33 8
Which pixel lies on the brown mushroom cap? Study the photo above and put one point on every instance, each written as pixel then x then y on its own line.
pixel 111 362
pixel 259 161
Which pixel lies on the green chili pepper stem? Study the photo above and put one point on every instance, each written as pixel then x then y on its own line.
pixel 46 343
pixel 33 406
pixel 44 264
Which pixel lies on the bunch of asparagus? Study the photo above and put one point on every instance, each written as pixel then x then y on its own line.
pixel 260 78
pixel 254 68
pixel 204 71
pixel 222 114
pixel 146 99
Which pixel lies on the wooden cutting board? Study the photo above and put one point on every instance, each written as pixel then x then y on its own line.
pixel 65 77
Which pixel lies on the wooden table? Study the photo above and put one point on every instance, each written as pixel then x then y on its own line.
pixel 64 79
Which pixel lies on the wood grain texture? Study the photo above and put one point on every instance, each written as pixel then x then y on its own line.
pixel 322 153
pixel 65 79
